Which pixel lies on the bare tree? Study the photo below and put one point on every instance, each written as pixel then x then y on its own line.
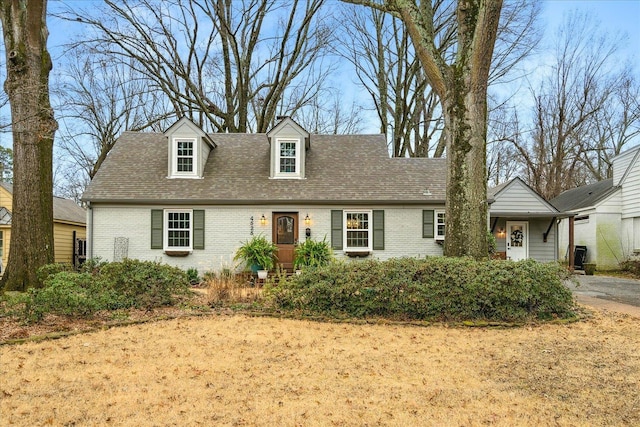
pixel 572 104
pixel 97 100
pixel 461 85
pixel 33 126
pixel 229 66
pixel 380 49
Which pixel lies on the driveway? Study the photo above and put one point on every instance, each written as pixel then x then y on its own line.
pixel 612 293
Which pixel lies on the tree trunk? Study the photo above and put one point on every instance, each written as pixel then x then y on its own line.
pixel 33 128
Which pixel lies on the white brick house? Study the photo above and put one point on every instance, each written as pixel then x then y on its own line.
pixel 189 199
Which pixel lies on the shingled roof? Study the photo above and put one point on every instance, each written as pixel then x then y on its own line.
pixel 585 196
pixel 353 169
pixel 64 210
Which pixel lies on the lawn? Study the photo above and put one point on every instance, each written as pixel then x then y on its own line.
pixel 232 370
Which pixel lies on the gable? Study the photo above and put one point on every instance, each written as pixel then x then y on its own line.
pixel 188 149
pixel 516 197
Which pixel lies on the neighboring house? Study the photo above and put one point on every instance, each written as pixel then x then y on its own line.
pixel 523 222
pixel 69 227
pixel 606 214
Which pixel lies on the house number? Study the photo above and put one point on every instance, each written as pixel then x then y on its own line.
pixel 251 226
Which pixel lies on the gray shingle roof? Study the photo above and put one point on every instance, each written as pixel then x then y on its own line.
pixel 583 197
pixel 352 169
pixel 65 210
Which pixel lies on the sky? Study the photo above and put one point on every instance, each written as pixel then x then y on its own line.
pixel 615 15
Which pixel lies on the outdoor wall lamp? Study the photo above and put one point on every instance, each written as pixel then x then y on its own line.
pixel 307 220
pixel 263 220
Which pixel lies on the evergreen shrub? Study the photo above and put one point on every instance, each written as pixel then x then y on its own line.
pixel 435 288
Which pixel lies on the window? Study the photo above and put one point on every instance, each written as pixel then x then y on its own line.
pixel 179 228
pixel 357 231
pixel 439 225
pixel 288 158
pixel 1 244
pixel 185 157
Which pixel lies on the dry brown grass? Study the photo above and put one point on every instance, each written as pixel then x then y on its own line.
pixel 238 370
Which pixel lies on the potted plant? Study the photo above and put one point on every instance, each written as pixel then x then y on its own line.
pixel 312 253
pixel 257 253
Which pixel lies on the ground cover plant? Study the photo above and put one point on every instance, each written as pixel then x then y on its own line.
pixel 435 288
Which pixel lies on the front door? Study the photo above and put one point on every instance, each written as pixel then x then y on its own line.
pixel 517 240
pixel 285 236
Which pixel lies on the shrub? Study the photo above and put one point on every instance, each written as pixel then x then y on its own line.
pixel 435 288
pixel 44 272
pixel 632 266
pixel 226 288
pixel 144 284
pixel 192 276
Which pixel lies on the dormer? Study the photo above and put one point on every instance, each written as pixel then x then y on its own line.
pixel 289 143
pixel 188 149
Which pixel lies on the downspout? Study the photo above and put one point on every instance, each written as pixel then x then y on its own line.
pixel 89 231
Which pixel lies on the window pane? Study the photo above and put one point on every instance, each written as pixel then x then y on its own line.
pixel 185 156
pixel 287 165
pixel 285 234
pixel 357 239
pixel 178 229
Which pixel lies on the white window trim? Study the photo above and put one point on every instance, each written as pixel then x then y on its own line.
pixel 165 230
pixel 174 158
pixel 369 248
pixel 297 173
pixel 437 236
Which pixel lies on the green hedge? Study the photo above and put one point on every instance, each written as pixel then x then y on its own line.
pixel 101 286
pixel 437 288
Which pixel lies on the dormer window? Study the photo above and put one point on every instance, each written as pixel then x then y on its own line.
pixel 189 148
pixel 288 145
pixel 185 157
pixel 288 159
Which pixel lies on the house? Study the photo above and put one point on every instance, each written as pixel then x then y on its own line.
pixel 523 222
pixel 606 214
pixel 69 227
pixel 190 199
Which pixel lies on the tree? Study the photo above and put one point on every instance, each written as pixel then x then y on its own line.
pixel 585 110
pixel 219 62
pixel 97 100
pixel 461 85
pixel 380 49
pixel 33 126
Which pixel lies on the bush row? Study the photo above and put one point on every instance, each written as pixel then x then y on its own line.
pixel 103 286
pixel 437 288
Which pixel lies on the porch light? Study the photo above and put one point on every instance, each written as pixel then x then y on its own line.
pixel 263 220
pixel 307 220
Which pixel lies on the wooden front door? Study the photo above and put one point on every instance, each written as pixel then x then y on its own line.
pixel 285 236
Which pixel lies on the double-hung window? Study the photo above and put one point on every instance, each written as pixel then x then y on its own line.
pixel 439 225
pixel 178 230
pixel 357 231
pixel 288 158
pixel 184 157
